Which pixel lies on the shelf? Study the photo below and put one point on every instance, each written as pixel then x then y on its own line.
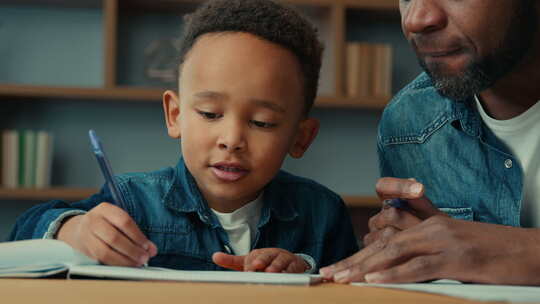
pixel 154 95
pixel 68 194
pixel 76 194
pixel 361 201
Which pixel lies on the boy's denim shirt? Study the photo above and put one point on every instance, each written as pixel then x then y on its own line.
pixel 466 170
pixel 298 215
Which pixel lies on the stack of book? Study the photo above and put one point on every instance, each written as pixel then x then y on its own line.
pixel 369 69
pixel 26 159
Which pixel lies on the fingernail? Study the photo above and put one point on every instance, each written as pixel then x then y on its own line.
pixel 415 188
pixel 143 259
pixel 145 246
pixel 326 271
pixel 374 277
pixel 340 276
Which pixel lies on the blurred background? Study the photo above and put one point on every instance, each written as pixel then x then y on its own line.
pixel 69 66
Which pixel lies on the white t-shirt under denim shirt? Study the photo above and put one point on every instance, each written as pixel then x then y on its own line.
pixel 241 225
pixel 522 135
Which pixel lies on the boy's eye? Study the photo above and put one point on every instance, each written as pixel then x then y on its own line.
pixel 209 115
pixel 262 124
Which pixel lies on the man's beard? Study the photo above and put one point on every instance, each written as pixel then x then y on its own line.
pixel 482 73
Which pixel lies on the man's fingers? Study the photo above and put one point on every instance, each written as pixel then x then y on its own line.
pixel 418 269
pixel 117 241
pixel 423 208
pixel 400 219
pixel 380 235
pixel 123 222
pixel 329 272
pixel 229 261
pixel 391 187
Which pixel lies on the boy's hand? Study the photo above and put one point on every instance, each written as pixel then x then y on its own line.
pixel 108 234
pixel 266 259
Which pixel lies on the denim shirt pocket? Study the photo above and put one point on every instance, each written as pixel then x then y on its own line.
pixel 462 213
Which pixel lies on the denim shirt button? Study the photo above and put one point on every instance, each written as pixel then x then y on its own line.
pixel 508 163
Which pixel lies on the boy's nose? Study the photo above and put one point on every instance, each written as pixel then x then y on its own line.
pixel 232 140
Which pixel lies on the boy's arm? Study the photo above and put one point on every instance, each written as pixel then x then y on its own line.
pixel 44 220
pixel 340 242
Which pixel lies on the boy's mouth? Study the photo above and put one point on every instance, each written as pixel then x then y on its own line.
pixel 228 172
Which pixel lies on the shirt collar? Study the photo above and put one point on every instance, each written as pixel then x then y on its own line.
pixel 184 196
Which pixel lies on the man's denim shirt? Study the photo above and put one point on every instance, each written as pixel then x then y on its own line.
pixel 298 215
pixel 466 170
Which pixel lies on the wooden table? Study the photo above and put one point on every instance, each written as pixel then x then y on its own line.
pixel 44 291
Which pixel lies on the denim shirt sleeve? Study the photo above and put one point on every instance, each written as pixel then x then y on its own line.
pixel 40 219
pixel 340 241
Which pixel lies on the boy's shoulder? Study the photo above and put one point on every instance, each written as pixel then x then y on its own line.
pixel 301 189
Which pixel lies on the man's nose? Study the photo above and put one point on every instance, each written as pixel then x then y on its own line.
pixel 423 16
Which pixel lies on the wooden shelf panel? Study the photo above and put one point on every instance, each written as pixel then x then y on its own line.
pixel 76 194
pixel 154 95
pixel 68 194
pixel 353 201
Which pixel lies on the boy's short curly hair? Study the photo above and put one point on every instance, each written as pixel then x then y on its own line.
pixel 267 19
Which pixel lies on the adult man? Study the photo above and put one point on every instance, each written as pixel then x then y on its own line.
pixel 468 132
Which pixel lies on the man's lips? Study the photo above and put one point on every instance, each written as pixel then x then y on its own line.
pixel 229 172
pixel 439 53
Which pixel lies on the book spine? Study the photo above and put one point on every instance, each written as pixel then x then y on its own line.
pixel 29 159
pixel 43 159
pixel 10 158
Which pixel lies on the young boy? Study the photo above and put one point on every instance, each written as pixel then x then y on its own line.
pixel 248 76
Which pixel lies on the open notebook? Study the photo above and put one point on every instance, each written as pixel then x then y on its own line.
pixel 44 258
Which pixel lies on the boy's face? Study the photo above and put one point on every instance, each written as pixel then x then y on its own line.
pixel 239 113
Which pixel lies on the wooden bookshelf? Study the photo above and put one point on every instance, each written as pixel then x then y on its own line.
pixel 76 194
pixel 68 194
pixel 154 95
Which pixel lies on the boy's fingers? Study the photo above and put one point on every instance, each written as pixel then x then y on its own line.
pixel 123 222
pixel 280 262
pixel 233 262
pixel 259 259
pixel 108 256
pixel 297 266
pixel 119 242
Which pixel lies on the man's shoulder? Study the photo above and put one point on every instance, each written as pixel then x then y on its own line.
pixel 415 111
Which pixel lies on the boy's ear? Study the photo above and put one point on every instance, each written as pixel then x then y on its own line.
pixel 171 108
pixel 308 130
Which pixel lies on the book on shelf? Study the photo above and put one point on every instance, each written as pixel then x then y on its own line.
pixel 369 69
pixel 26 159
pixel 46 258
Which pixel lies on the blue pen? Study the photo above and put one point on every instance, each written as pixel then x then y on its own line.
pixel 396 203
pixel 105 168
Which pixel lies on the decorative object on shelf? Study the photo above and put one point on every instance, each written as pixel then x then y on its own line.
pixel 26 159
pixel 160 60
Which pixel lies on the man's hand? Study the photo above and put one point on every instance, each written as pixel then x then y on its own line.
pixel 391 220
pixel 442 247
pixel 108 234
pixel 266 259
pixel 421 243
